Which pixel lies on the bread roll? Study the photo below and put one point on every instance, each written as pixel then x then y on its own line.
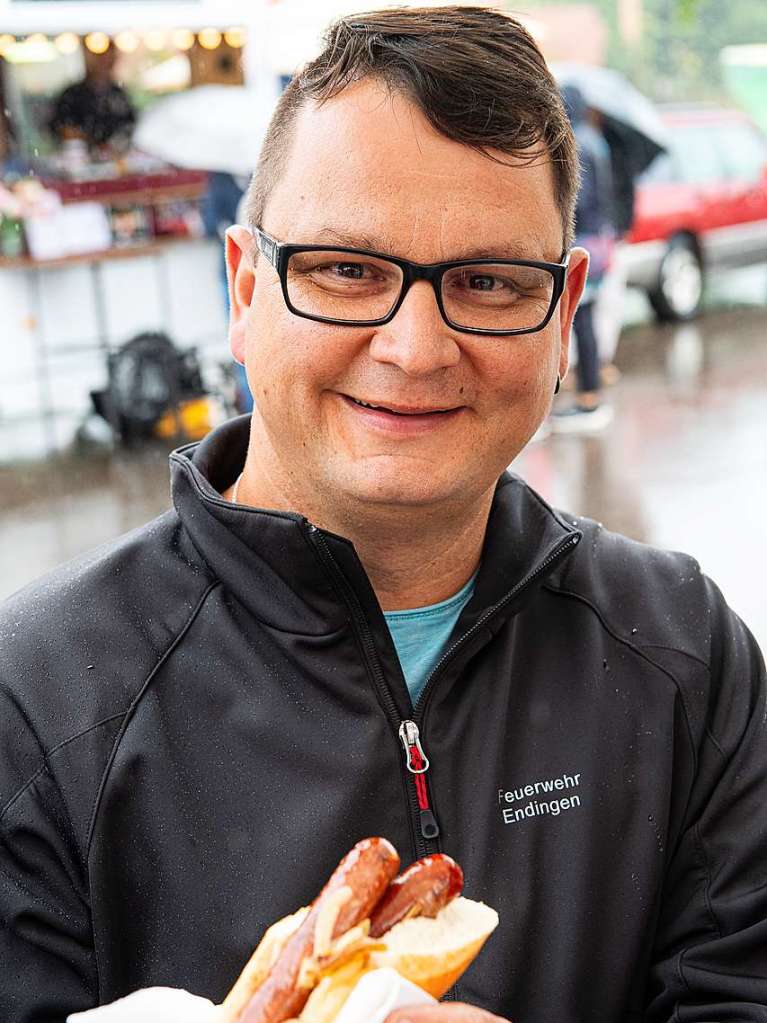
pixel 431 952
pixel 259 964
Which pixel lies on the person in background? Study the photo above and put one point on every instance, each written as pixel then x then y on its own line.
pixel 594 230
pixel 608 307
pixel 220 211
pixel 97 109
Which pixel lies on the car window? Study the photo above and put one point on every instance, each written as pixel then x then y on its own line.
pixel 661 171
pixel 743 150
pixel 698 153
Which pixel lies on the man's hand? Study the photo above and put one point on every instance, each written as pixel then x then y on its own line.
pixel 442 1012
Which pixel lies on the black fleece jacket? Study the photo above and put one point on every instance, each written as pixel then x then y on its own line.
pixel 200 719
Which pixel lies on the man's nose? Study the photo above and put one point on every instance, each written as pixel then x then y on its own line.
pixel 417 339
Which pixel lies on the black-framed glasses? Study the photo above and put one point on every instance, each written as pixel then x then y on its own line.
pixel 357 287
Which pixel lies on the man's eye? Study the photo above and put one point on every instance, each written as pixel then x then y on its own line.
pixel 484 282
pixel 354 271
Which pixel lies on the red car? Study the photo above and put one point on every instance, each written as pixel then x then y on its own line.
pixel 700 207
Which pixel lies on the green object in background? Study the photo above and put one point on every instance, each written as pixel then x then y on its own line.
pixel 11 237
pixel 744 71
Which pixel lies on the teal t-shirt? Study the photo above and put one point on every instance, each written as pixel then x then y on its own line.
pixel 420 635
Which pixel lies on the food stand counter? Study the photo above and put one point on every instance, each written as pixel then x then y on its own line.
pixel 111 258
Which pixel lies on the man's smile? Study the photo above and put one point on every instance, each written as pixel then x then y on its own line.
pixel 400 409
pixel 398 417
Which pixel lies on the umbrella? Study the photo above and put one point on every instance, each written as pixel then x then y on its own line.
pixel 627 112
pixel 210 127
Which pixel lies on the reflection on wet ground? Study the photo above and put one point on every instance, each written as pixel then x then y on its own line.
pixel 684 465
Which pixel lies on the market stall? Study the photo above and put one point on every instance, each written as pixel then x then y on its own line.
pixel 99 241
pixel 100 238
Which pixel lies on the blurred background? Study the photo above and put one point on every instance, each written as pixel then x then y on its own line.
pixel 127 134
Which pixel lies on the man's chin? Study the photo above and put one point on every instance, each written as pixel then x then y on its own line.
pixel 399 491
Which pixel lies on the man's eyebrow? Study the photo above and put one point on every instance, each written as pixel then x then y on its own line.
pixel 352 241
pixel 508 250
pixel 360 240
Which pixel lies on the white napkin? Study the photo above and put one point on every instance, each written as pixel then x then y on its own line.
pixel 152 1005
pixel 378 993
pixel 375 995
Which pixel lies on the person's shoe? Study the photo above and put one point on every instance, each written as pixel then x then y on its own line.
pixel 578 419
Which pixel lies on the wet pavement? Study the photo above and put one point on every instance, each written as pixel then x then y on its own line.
pixel 683 465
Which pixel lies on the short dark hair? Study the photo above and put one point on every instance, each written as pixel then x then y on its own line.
pixel 476 74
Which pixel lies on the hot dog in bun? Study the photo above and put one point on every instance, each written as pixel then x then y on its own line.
pixel 366 917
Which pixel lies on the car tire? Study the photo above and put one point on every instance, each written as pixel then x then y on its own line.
pixel 678 293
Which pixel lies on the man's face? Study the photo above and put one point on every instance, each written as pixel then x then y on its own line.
pixel 367 171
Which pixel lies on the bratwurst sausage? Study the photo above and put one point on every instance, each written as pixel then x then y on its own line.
pixel 366 873
pixel 423 889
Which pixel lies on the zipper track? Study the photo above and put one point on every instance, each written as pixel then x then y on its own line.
pixel 419 711
pixel 374 667
pixel 420 708
pixel 423 846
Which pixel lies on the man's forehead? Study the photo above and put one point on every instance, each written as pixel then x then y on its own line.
pixel 367 167
pixel 355 116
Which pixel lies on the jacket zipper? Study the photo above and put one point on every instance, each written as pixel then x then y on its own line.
pixel 416 761
pixel 375 669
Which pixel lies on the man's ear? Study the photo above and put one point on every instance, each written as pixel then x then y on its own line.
pixel 241 280
pixel 576 281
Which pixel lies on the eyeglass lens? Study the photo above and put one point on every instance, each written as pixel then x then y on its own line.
pixel 349 287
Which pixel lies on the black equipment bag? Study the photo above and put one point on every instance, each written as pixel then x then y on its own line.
pixel 148 376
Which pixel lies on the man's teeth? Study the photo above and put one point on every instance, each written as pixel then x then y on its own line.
pixel 392 412
pixel 378 408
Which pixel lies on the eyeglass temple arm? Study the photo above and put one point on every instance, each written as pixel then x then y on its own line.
pixel 267 245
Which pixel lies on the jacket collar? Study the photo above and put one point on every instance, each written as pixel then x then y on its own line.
pixel 271 563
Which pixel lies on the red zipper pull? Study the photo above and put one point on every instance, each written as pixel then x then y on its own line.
pixel 418 764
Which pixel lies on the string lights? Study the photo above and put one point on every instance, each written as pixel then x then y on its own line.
pixel 97 42
pixel 209 38
pixel 128 41
pixel 67 43
pixel 235 37
pixel 182 39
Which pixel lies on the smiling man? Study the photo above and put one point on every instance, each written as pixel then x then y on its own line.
pixel 356 622
pixel 392 424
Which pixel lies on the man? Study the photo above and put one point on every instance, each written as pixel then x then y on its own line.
pixel 96 109
pixel 203 717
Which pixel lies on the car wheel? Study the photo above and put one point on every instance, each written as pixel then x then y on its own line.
pixel 679 291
